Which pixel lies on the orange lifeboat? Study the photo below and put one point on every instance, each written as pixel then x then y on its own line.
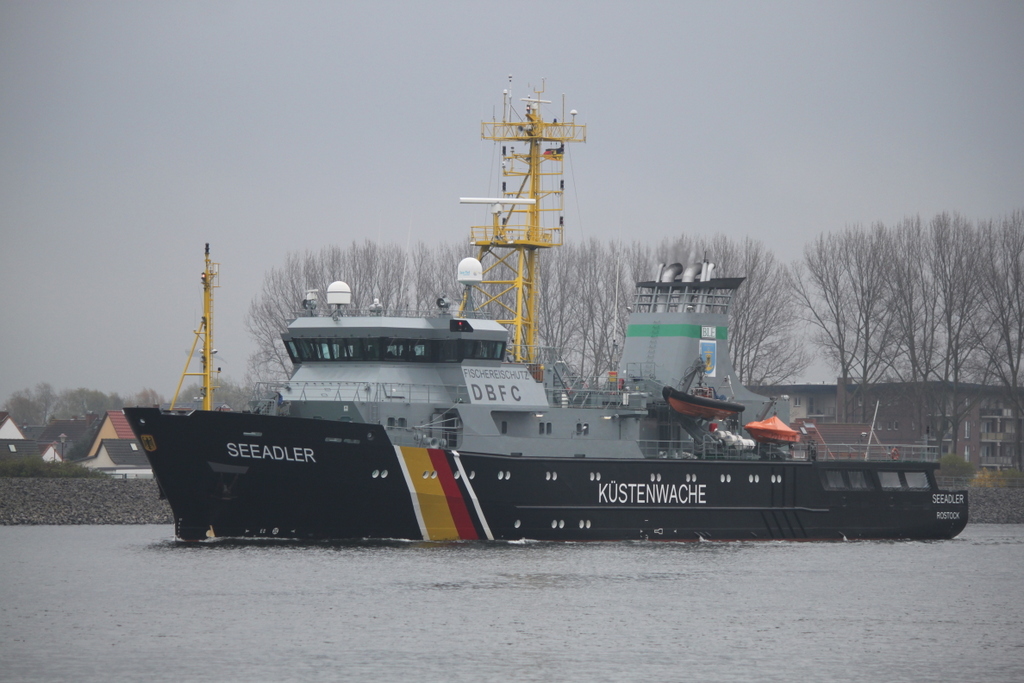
pixel 701 404
pixel 772 430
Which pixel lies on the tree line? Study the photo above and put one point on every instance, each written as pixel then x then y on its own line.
pixel 919 302
pixel 929 305
pixel 40 404
pixel 588 290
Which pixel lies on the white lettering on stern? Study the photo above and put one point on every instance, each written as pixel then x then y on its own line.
pixel 268 452
pixel 947 498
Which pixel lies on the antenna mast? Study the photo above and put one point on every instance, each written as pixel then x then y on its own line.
pixel 210 278
pixel 531 167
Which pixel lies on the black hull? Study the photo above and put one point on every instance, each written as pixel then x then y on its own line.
pixel 244 475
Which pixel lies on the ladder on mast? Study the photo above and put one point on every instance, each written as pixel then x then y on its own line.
pixel 528 216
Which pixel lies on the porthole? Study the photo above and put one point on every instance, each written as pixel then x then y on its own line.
pixel 383 474
pixel 581 524
pixel 757 478
pixel 588 523
pixel 750 478
pixel 599 476
pixel 687 478
pixel 472 474
pixel 547 476
pixel 369 436
pixel 375 474
pixel 554 476
pixel 501 475
pixel 652 476
pixel 517 524
pixel 426 474
pixel 554 524
pixel 433 475
pixel 561 524
pixel 728 478
pixel 722 479
pixel 591 476
pixel 659 476
pixel 508 475
pixel 458 474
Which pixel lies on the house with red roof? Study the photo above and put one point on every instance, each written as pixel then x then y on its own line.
pixel 114 426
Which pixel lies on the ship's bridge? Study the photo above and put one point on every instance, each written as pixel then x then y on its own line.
pixel 394 339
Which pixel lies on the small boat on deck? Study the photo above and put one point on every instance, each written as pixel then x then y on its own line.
pixel 772 430
pixel 701 402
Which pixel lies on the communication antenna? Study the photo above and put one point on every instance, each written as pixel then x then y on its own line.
pixel 210 278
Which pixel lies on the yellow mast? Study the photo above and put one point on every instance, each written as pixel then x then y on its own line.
pixel 508 248
pixel 210 278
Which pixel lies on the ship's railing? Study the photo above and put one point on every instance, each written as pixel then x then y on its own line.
pixel 711 449
pixel 693 450
pixel 380 311
pixel 269 395
pixel 595 398
pixel 375 392
pixel 861 451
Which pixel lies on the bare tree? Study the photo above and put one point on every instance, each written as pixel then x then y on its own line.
pixel 372 271
pixel 914 306
pixel 763 341
pixel 1002 305
pixel 32 406
pixel 841 285
pixel 595 308
pixel 145 397
pixel 269 312
pixel 556 324
pixel 819 283
pixel 434 269
pixel 955 253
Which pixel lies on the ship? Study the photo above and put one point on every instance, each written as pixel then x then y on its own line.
pixel 456 424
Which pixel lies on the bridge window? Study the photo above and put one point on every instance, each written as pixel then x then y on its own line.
pixel 303 350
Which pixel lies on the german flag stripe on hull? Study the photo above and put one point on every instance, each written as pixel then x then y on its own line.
pixel 437 498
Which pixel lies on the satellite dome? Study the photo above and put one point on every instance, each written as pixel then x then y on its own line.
pixel 339 293
pixel 470 271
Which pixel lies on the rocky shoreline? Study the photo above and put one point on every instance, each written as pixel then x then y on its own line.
pixel 26 500
pixel 137 501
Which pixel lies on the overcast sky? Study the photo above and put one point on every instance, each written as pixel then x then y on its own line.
pixel 131 133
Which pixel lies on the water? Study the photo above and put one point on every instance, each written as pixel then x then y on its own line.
pixel 107 603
